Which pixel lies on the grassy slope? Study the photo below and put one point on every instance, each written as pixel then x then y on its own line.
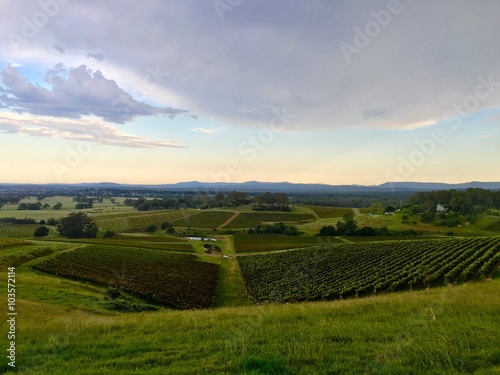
pixel 452 330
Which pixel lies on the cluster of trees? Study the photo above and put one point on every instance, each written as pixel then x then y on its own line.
pixel 351 199
pixel 349 227
pixel 38 206
pixel 86 199
pixel 166 226
pixel 13 220
pixel 85 202
pixel 271 202
pixel 277 228
pixel 9 199
pixel 30 206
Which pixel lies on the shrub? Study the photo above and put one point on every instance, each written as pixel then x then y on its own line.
pixel 41 231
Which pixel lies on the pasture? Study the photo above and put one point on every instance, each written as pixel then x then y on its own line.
pixel 453 330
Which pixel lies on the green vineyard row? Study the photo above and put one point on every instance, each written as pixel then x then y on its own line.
pixel 326 273
pixel 121 222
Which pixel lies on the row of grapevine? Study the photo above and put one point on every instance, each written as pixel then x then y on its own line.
pixel 121 222
pixel 174 280
pixel 362 269
pixel 17 231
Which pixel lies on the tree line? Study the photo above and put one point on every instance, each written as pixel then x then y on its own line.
pixel 467 202
pixel 262 202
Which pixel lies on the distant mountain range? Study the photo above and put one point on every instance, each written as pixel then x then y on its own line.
pixel 256 186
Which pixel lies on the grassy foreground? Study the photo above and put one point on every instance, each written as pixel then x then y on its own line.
pixel 449 330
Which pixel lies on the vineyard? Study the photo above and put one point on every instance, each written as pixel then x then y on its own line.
pixel 204 219
pixel 326 273
pixel 17 231
pixel 251 219
pixel 178 281
pixel 121 222
pixel 268 242
pixel 329 212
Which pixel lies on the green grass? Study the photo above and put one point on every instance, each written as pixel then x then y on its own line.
pixel 204 219
pixel 494 227
pixel 251 219
pixel 269 242
pixel 13 256
pixel 6 242
pixel 453 330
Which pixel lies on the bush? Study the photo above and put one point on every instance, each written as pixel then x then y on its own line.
pixel 41 231
pixel 151 228
pixel 108 234
pixel 113 293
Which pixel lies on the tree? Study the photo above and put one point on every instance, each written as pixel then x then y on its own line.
pixel 52 221
pixel 81 205
pixel 282 201
pixel 236 198
pixel 328 230
pixel 78 225
pixel 41 231
pixel 347 227
pixel 57 206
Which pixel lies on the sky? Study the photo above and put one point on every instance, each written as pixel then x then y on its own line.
pixel 311 91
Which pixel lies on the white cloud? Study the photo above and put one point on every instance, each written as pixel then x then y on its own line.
pixel 75 93
pixel 84 129
pixel 208 131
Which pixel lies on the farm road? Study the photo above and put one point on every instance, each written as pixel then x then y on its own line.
pixel 228 220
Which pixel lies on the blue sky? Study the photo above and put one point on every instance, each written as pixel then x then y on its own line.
pixel 304 91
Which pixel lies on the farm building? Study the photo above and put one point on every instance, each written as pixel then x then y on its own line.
pixel 440 209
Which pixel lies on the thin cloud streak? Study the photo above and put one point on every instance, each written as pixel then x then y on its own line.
pixel 208 131
pixel 85 129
